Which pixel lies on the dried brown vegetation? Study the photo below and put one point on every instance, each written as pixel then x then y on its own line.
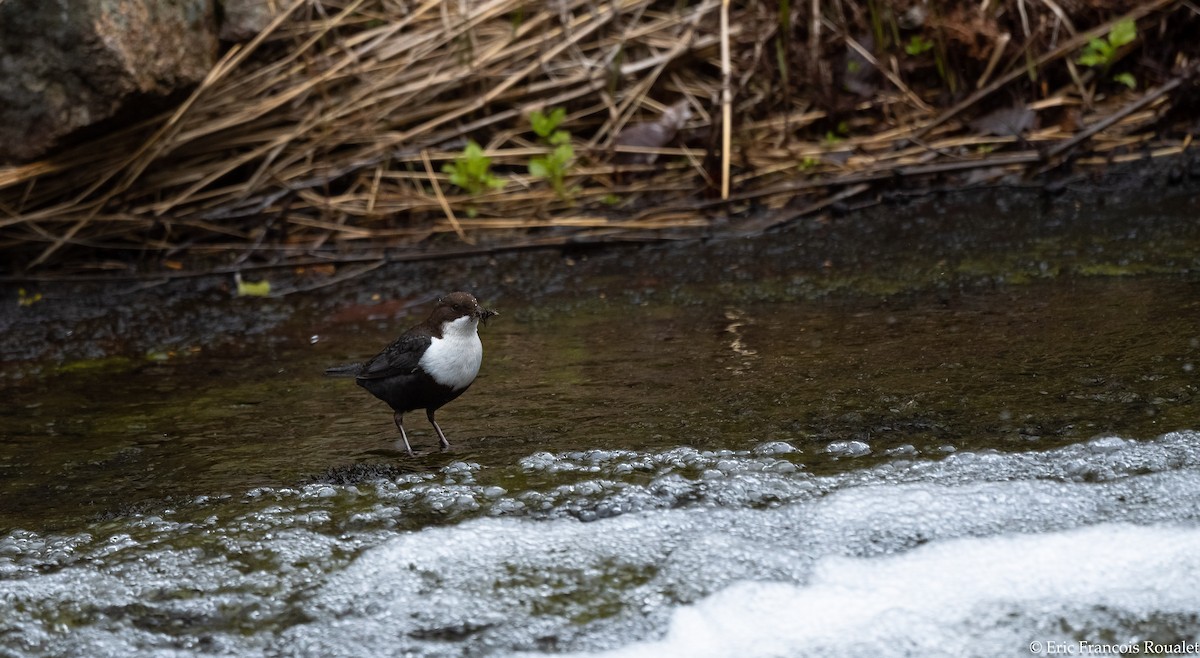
pixel 325 139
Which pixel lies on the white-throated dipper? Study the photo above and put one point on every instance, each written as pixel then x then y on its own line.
pixel 428 365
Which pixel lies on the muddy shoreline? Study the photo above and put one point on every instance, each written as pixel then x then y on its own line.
pixel 50 326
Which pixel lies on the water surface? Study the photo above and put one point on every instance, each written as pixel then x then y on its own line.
pixel 953 451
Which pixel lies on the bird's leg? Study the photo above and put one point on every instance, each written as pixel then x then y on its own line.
pixel 441 436
pixel 399 417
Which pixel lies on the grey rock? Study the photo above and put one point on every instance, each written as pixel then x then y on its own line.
pixel 68 64
pixel 242 20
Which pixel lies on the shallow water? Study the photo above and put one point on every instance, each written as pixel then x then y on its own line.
pixel 711 553
pixel 760 459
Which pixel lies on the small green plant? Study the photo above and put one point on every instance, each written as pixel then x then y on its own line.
pixel 545 125
pixel 809 163
pixel 553 166
pixel 26 299
pixel 917 45
pixel 1102 52
pixel 1126 79
pixel 838 134
pixel 251 288
pixel 472 171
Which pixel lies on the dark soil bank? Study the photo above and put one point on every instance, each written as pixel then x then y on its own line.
pixel 1137 220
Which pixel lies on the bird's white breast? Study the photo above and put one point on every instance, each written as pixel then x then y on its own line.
pixel 453 360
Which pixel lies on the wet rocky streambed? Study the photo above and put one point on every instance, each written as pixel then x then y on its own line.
pixel 965 425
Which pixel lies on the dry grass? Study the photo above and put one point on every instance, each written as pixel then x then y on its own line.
pixel 325 137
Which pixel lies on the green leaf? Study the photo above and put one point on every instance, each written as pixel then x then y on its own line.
pixel 541 124
pixel 26 299
pixel 563 153
pixel 1098 52
pixel 460 179
pixel 1126 79
pixel 552 166
pixel 471 170
pixel 1123 33
pixel 477 168
pixel 256 289
pixel 545 125
pixel 474 158
pixel 917 45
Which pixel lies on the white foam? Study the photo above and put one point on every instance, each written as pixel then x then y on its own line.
pixel 697 554
pixel 960 597
pixel 888 570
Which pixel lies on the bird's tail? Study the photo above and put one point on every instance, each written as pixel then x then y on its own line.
pixel 348 370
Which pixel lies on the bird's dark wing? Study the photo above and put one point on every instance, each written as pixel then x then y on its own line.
pixel 399 358
pixel 348 370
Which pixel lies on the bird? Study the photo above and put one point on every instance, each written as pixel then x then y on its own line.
pixel 427 366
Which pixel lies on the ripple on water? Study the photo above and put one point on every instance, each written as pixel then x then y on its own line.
pixel 679 552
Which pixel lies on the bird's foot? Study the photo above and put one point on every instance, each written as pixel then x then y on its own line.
pixel 399 418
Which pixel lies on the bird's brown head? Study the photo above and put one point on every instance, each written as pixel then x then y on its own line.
pixel 457 305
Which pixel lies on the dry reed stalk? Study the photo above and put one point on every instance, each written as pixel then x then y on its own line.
pixel 437 190
pixel 1070 46
pixel 726 101
pixel 330 127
